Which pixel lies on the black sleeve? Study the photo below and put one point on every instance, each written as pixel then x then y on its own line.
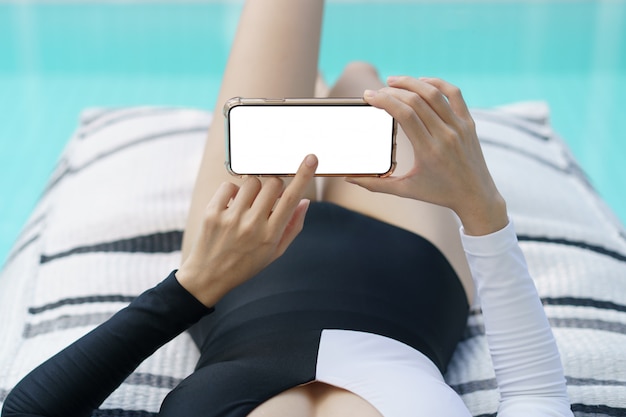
pixel 78 379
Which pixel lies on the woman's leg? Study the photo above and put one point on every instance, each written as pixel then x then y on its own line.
pixel 274 54
pixel 437 224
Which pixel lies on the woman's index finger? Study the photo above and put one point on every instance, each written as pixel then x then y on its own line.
pixel 294 192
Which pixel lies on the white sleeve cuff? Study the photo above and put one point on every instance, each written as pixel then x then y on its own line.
pixel 492 244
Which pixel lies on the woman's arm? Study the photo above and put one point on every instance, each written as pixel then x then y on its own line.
pixel 79 378
pixel 244 229
pixel 450 170
pixel 523 350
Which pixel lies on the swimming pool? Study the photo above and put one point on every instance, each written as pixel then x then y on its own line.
pixel 57 58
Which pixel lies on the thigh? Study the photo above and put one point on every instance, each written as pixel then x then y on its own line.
pixel 274 54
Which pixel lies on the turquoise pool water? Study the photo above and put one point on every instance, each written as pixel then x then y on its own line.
pixel 56 59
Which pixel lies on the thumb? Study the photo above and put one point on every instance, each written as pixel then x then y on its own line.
pixel 387 185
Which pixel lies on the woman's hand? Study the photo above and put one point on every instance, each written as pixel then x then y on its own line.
pixel 449 168
pixel 245 229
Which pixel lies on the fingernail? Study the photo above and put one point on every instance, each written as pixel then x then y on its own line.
pixel 369 93
pixel 310 160
pixel 392 79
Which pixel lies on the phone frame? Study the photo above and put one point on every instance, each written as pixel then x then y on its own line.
pixel 348 101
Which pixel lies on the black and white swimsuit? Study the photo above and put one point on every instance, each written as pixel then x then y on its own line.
pixel 354 302
pixel 313 315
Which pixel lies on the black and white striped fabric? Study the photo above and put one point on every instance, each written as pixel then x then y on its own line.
pixel 110 222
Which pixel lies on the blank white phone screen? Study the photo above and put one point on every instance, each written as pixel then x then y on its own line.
pixel 274 139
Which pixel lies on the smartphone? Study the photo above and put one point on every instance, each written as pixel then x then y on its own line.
pixel 272 136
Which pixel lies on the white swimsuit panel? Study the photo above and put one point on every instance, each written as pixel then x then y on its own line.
pixel 392 376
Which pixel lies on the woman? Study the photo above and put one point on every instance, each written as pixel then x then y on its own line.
pixel 362 313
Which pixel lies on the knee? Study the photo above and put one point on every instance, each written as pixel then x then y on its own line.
pixel 356 77
pixel 360 67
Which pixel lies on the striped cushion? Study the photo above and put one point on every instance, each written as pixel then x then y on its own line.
pixel 110 222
